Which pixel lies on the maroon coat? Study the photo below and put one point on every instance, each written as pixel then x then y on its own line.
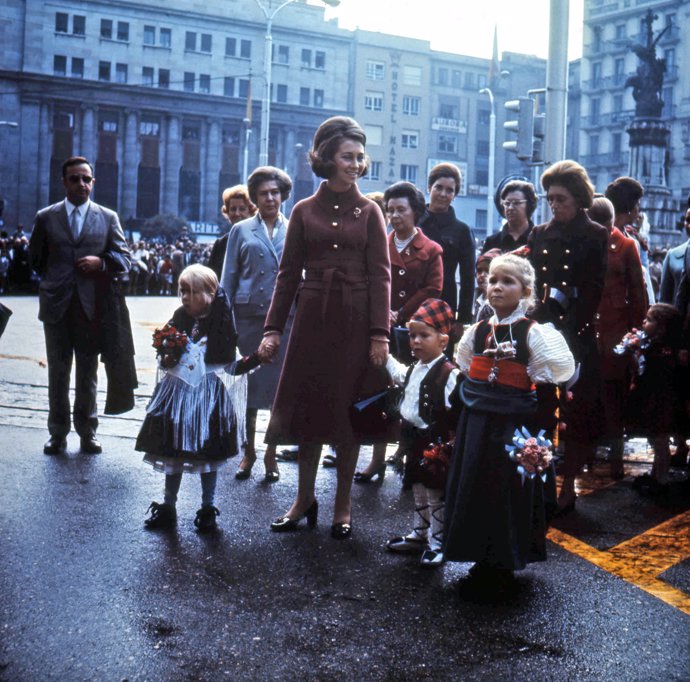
pixel 416 274
pixel 339 241
pixel 623 302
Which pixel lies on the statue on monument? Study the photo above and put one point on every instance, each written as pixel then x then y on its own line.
pixel 649 77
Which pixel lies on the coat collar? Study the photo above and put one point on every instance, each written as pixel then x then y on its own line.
pixel 415 248
pixel 259 231
pixel 344 200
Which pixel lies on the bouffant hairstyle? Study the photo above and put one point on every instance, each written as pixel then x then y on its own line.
pixel 602 211
pixel 327 140
pixel 201 280
pixel 266 174
pixel 75 161
pixel 624 193
pixel 573 177
pixel 445 170
pixel 406 190
pixel 669 324
pixel 521 269
pixel 526 189
pixel 237 192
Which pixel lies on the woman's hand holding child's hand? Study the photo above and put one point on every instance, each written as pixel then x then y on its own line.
pixel 268 348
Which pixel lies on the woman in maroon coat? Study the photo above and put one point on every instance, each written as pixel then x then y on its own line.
pixel 623 306
pixel 416 274
pixel 337 238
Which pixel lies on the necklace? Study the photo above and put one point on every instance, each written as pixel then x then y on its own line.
pixel 499 350
pixel 401 244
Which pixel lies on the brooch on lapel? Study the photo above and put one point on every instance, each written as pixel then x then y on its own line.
pixel 357 212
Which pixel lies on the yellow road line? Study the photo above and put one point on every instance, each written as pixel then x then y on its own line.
pixel 640 573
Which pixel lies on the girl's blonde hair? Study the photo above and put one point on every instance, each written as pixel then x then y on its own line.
pixel 521 269
pixel 200 278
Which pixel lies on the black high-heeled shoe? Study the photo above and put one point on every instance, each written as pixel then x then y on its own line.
pixel 379 474
pixel 243 474
pixel 341 531
pixel 284 524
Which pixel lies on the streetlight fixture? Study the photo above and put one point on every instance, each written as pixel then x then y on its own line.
pixel 270 13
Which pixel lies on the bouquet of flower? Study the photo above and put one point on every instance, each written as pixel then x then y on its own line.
pixel 532 454
pixel 169 344
pixel 634 343
pixel 436 458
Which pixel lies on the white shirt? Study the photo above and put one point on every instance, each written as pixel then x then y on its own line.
pixel 409 409
pixel 280 220
pixel 81 214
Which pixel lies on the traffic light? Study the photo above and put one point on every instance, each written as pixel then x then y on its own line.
pixel 523 126
pixel 539 131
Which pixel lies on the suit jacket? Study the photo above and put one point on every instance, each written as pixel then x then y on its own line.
pixel 416 274
pixel 54 252
pixel 251 266
pixel 671 273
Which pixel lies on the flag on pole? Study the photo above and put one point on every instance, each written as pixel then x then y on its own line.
pixel 248 113
pixel 494 66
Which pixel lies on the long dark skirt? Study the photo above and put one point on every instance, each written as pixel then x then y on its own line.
pixel 492 514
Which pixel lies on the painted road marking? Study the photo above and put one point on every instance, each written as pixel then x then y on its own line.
pixel 640 560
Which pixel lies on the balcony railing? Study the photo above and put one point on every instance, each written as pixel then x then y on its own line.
pixel 617 160
pixel 613 118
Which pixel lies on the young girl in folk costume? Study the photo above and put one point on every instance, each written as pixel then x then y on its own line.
pixel 426 427
pixel 198 407
pixel 654 408
pixel 497 508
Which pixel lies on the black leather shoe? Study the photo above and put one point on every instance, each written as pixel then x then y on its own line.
pixel 162 516
pixel 205 520
pixel 285 524
pixel 55 446
pixel 91 446
pixel 341 531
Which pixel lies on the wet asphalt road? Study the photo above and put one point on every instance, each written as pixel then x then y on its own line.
pixel 87 594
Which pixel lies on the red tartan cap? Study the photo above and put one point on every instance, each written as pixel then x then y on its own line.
pixel 435 313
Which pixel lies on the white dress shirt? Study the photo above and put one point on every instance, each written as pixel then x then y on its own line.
pixel 82 210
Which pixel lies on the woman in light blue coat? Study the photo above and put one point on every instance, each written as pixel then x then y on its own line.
pixel 251 264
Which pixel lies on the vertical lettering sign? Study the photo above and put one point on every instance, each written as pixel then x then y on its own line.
pixel 395 70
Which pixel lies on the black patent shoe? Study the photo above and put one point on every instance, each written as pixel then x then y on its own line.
pixel 162 516
pixel 91 446
pixel 55 446
pixel 284 524
pixel 341 531
pixel 379 474
pixel 205 520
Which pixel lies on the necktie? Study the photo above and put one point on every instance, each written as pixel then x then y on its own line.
pixel 74 224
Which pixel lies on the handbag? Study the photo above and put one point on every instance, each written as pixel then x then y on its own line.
pixel 375 416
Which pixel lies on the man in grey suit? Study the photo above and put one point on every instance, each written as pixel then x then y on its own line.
pixel 75 246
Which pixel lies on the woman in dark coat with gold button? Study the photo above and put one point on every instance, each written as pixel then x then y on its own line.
pixel 569 255
pixel 337 238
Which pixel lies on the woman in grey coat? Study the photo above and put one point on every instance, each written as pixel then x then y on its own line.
pixel 251 264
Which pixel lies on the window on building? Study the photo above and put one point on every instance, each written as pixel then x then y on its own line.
pixel 205 83
pixel 596 74
pixel 103 71
pixel 670 57
pixel 374 136
pixel 282 55
pixel 616 143
pixel 281 93
pixel 149 35
pixel 149 126
pixel 163 78
pixel 441 76
pixel 594 144
pixel 483 116
pixel 617 104
pixel 448 110
pixel 670 19
pixel 79 25
pixel 108 125
pixel 375 70
pixel 77 67
pixel 481 81
pixel 304 96
pixel 448 143
pixel 60 65
pixel 306 57
pixel 246 49
pixel 596 38
pixel 165 37
pixel 106 29
pixel 190 41
pixel 410 139
pixel 373 101
pixel 123 31
pixel 594 109
pixel 412 75
pixel 480 213
pixel 620 31
pixel 147 76
pixel 229 86
pixel 230 47
pixel 319 60
pixel 188 81
pixel 244 88
pixel 469 81
pixel 409 173
pixel 61 22
pixel 667 97
pixel 206 42
pixel 482 147
pixel 121 73
pixel 374 172
pixel 411 106
pixel 456 80
pixel 619 70
pixel 318 98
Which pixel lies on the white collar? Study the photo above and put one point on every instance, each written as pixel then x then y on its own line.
pixel 280 221
pixel 81 209
pixel 517 314
pixel 430 364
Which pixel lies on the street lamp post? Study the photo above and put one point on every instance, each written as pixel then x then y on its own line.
pixel 492 162
pixel 270 14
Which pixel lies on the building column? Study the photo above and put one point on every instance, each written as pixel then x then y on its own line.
pixel 130 167
pixel 45 145
pixel 172 158
pixel 87 143
pixel 210 202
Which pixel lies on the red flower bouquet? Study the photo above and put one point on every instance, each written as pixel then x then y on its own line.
pixel 169 344
pixel 436 458
pixel 532 454
pixel 634 343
